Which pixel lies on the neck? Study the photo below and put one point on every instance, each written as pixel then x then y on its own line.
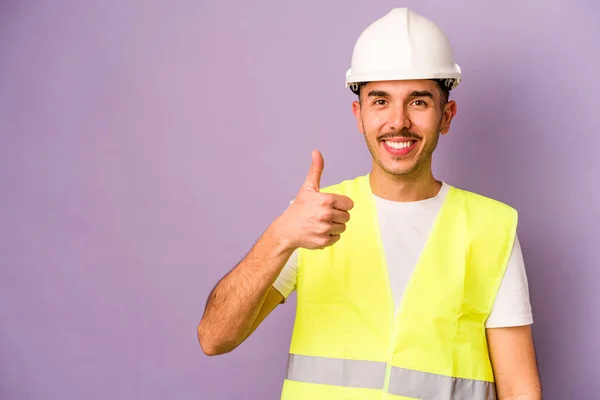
pixel 419 185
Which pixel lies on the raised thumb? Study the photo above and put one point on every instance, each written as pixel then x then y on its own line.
pixel 313 179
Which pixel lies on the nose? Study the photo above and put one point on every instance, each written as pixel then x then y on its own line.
pixel 399 118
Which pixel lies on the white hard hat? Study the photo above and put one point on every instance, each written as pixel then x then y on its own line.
pixel 403 45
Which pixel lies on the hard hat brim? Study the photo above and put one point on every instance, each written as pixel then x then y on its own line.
pixel 397 75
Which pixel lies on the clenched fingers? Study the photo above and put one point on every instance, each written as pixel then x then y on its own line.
pixel 340 217
pixel 342 202
pixel 337 229
pixel 332 239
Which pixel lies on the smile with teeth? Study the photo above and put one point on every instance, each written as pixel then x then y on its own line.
pixel 399 145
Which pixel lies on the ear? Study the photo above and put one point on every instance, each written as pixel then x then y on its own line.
pixel 450 110
pixel 357 115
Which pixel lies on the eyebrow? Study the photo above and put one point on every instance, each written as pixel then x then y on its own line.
pixel 378 93
pixel 415 93
pixel 423 93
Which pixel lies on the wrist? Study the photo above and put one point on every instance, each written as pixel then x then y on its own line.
pixel 281 241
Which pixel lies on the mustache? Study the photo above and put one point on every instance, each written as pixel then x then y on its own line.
pixel 403 133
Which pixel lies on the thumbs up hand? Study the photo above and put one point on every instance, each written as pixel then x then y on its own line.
pixel 315 220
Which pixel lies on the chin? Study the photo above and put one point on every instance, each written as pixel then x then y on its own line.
pixel 399 170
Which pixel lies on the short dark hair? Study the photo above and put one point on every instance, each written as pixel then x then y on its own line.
pixel 444 90
pixel 444 85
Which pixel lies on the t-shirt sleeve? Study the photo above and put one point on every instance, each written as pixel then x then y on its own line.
pixel 286 281
pixel 512 306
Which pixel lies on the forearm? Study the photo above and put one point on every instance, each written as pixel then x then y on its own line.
pixel 514 363
pixel 534 395
pixel 234 303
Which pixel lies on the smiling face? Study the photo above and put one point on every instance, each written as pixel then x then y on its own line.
pixel 401 122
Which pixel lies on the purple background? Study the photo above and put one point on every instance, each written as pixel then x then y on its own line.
pixel 145 146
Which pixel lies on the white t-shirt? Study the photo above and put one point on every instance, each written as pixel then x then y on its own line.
pixel 405 227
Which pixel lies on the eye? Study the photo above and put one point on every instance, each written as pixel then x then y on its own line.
pixel 380 102
pixel 419 103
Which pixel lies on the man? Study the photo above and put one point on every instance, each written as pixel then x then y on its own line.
pixel 407 287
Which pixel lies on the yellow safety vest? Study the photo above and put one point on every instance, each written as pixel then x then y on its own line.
pixel 348 343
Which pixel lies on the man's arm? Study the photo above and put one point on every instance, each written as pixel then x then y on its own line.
pixel 244 297
pixel 514 363
pixel 244 294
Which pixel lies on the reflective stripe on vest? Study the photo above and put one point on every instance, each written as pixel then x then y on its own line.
pixel 371 375
pixel 336 371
